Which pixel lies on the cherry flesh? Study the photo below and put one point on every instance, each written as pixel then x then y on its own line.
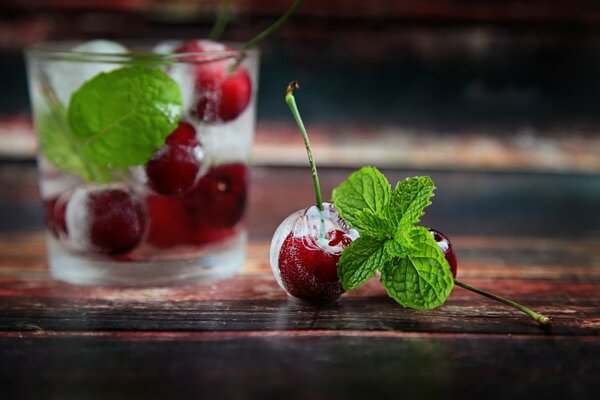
pixel 309 270
pixel 107 221
pixel 174 167
pixel 446 247
pixel 221 94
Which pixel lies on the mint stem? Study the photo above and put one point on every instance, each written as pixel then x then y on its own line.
pixel 541 319
pixel 221 22
pixel 291 102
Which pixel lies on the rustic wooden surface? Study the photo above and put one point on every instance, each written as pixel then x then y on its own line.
pixel 243 338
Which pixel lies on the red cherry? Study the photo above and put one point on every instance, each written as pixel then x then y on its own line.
pixel 221 95
pixel 446 247
pixel 55 209
pixel 174 167
pixel 185 134
pixel 308 271
pixel 219 199
pixel 108 221
pixel 167 221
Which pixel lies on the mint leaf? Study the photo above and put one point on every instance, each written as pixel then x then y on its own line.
pixel 360 261
pixel 123 116
pixel 365 189
pixel 373 225
pixel 422 279
pixel 63 150
pixel 409 199
pixel 58 144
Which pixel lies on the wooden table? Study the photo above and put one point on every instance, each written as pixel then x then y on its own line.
pixel 533 238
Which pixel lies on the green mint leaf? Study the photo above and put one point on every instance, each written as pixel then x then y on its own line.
pixel 399 248
pixel 373 225
pixel 58 144
pixel 409 199
pixel 123 116
pixel 360 261
pixel 422 279
pixel 63 150
pixel 365 189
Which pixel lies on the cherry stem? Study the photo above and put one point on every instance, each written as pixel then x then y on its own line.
pixel 258 39
pixel 221 22
pixel 541 319
pixel 291 102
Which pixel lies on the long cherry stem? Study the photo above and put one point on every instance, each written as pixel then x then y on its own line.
pixel 221 22
pixel 291 102
pixel 541 319
pixel 255 41
pixel 258 39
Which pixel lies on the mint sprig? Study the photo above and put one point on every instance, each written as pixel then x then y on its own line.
pixel 116 119
pixel 123 116
pixel 413 269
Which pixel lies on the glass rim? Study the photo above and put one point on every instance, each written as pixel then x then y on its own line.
pixel 62 51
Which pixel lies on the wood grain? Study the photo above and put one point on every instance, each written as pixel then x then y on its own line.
pixel 243 338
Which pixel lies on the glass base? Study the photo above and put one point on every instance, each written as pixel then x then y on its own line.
pixel 219 261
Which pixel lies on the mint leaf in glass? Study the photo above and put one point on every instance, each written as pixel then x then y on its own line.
pixel 360 261
pixel 422 279
pixel 63 150
pixel 123 116
pixel 365 189
pixel 57 143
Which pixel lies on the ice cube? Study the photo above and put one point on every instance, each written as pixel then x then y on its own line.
pixel 184 75
pixel 230 141
pixel 67 76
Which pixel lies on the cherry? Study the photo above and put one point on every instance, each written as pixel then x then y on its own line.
pixel 219 199
pixel 307 263
pixel 184 134
pixel 55 210
pixel 307 245
pixel 106 220
pixel 446 247
pixel 220 93
pixel 167 221
pixel 174 167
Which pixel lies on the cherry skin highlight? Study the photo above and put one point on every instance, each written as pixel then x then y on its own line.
pixel 446 247
pixel 221 94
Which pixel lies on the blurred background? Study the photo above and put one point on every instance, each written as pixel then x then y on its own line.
pixel 497 98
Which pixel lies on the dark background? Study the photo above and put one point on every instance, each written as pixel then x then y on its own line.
pixel 496 99
pixel 498 67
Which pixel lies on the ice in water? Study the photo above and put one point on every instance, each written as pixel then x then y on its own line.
pixel 67 76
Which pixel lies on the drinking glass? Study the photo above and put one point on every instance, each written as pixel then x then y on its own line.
pixel 143 158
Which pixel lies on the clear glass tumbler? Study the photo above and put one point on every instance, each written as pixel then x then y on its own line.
pixel 143 158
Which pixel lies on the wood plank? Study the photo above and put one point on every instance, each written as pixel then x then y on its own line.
pixel 298 367
pixel 255 302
